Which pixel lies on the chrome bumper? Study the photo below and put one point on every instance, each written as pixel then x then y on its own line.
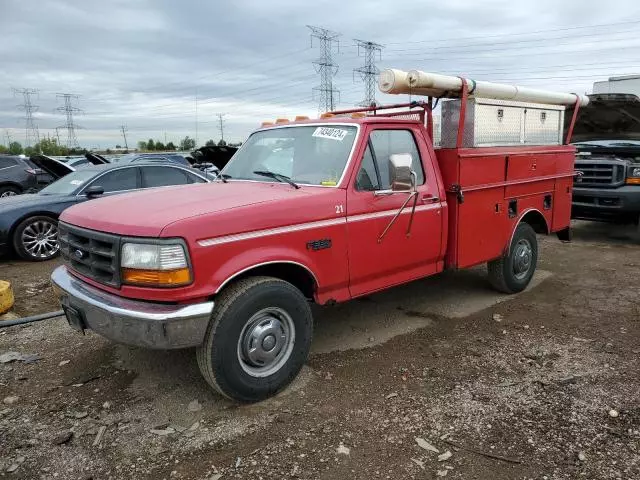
pixel 133 322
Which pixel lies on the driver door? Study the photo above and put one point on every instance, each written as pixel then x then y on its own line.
pixel 401 255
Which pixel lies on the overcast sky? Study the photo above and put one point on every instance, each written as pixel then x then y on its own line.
pixel 143 63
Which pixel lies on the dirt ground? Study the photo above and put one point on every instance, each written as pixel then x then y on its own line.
pixel 439 378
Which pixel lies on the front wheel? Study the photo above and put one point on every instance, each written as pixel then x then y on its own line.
pixel 258 339
pixel 36 238
pixel 513 272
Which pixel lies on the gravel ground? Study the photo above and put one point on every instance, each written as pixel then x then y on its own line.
pixel 439 378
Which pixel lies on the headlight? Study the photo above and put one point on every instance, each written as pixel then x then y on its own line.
pixel 155 265
pixel 633 175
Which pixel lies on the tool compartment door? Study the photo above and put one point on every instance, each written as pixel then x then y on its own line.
pixel 482 221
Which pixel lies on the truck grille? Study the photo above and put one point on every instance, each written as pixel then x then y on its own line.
pixel 90 253
pixel 600 173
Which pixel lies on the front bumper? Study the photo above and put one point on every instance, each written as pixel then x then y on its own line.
pixel 605 202
pixel 132 322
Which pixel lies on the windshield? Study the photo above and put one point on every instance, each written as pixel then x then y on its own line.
pixel 309 155
pixel 69 183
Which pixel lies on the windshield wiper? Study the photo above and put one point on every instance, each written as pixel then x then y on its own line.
pixel 223 177
pixel 276 176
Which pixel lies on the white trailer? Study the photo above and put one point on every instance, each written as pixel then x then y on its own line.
pixel 625 84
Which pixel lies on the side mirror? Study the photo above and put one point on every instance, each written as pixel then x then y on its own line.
pixel 400 173
pixel 94 191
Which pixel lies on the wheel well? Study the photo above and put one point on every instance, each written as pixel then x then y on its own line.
pixel 536 220
pixel 295 274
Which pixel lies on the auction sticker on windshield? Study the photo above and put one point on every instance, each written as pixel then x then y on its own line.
pixel 332 133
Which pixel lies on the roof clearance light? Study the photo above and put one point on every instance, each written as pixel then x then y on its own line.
pixel 301 117
pixel 266 124
pixel 282 120
pixel 327 115
pixel 358 115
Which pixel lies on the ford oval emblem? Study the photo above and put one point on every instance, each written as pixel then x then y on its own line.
pixel 79 254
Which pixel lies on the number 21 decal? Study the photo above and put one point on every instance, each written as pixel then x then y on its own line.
pixel 339 209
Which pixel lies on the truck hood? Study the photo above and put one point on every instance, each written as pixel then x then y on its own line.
pixel 611 116
pixel 146 213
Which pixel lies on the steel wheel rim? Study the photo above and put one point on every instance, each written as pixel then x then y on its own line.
pixel 40 239
pixel 8 193
pixel 522 258
pixel 266 342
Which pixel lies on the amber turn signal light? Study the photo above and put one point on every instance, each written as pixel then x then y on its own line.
pixel 633 181
pixel 156 278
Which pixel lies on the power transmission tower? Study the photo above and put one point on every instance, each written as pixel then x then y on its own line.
pixel 369 72
pixel 58 135
pixel 325 67
pixel 31 129
pixel 6 132
pixel 69 110
pixel 124 134
pixel 221 120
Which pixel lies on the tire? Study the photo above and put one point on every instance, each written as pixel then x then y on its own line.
pixel 513 272
pixel 9 191
pixel 247 311
pixel 36 238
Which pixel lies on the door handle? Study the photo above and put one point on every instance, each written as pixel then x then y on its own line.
pixel 428 198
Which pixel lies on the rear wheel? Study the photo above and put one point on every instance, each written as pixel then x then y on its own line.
pixel 36 238
pixel 257 340
pixel 8 191
pixel 513 272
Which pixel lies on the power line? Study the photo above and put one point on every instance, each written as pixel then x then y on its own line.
pixel 325 67
pixel 31 129
pixel 124 135
pixel 369 72
pixel 631 22
pixel 69 110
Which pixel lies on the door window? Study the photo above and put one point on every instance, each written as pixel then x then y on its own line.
pixel 163 176
pixel 368 175
pixel 383 144
pixel 118 180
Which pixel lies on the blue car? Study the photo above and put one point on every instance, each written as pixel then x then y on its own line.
pixel 29 223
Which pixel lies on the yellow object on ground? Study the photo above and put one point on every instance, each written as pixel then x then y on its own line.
pixel 6 296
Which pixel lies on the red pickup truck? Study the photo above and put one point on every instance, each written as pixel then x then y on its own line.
pixel 316 210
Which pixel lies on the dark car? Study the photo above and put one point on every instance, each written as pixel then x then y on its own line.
pixel 607 138
pixel 152 158
pixel 29 223
pixel 19 175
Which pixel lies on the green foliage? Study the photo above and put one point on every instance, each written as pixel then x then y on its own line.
pixel 15 148
pixel 49 146
pixel 151 145
pixel 4 149
pixel 142 145
pixel 222 143
pixel 160 146
pixel 210 143
pixel 187 144
pixel 28 151
pixel 170 146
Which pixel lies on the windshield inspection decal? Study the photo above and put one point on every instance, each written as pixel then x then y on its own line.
pixel 332 133
pixel 76 182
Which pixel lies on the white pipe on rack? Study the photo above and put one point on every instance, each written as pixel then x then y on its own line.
pixel 416 82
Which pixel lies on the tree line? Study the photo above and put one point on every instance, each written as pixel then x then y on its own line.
pixel 46 146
